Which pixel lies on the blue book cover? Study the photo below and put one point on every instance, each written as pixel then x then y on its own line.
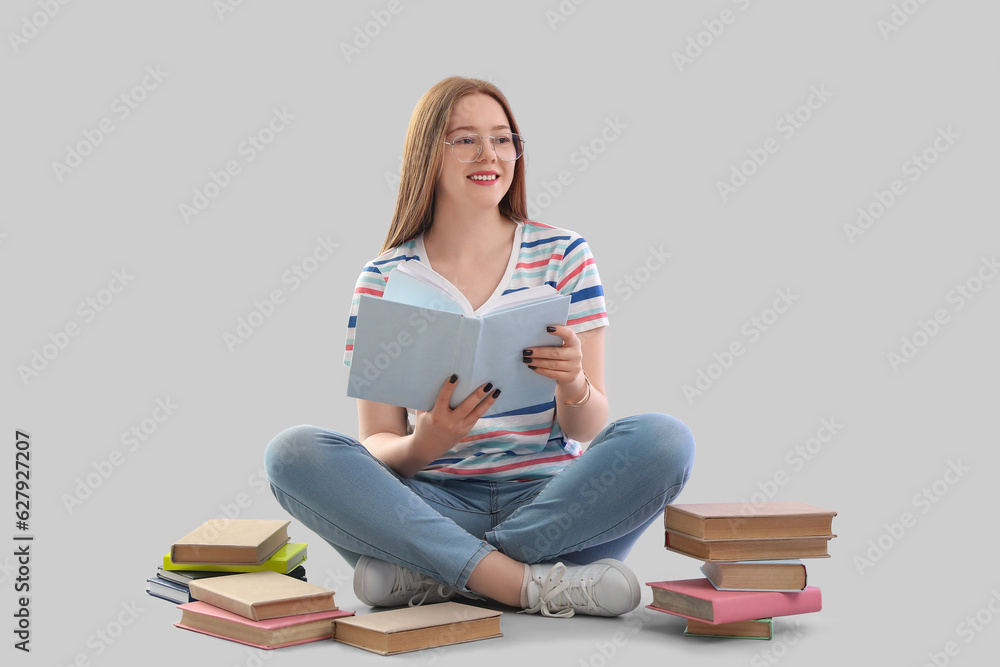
pixel 409 341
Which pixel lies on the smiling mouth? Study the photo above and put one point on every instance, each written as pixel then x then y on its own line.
pixel 484 177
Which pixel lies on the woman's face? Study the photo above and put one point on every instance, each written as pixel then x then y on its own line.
pixel 475 114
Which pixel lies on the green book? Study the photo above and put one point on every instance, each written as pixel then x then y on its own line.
pixel 284 560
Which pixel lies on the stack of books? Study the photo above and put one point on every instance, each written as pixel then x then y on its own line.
pixel 752 565
pixel 224 547
pixel 231 580
pixel 262 609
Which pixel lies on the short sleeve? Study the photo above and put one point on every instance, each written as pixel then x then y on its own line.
pixel 371 281
pixel 578 277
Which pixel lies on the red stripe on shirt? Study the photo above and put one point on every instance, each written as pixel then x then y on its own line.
pixel 490 434
pixel 509 466
pixel 574 272
pixel 580 320
pixel 540 262
pixel 369 290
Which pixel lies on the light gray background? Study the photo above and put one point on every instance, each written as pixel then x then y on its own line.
pixel 655 186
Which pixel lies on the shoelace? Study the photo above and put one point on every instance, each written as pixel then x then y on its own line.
pixel 555 598
pixel 420 585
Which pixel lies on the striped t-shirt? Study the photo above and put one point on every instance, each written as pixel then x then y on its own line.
pixel 526 443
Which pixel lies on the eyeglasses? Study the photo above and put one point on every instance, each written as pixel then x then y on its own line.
pixel 468 147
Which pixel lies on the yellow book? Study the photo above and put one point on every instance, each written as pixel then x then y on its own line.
pixel 284 560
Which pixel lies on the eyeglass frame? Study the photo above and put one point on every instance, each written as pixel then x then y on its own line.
pixel 482 143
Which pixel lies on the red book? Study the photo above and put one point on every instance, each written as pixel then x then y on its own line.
pixel 700 600
pixel 272 633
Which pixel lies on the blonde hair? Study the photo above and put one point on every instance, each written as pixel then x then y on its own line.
pixel 422 153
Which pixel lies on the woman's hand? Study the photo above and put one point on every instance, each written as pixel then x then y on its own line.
pixel 564 363
pixel 437 430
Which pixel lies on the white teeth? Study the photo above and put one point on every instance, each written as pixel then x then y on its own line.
pixel 477 177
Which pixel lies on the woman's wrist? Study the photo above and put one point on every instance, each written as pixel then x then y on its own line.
pixel 584 397
pixel 573 391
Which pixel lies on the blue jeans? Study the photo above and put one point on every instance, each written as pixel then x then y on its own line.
pixel 596 507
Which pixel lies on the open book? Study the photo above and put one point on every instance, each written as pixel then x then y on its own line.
pixel 409 341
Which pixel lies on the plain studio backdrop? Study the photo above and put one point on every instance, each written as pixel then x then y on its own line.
pixel 792 208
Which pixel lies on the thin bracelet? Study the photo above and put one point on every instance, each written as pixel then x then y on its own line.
pixel 586 396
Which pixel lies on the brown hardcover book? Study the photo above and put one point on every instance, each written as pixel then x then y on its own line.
pixel 749 549
pixel 231 542
pixel 263 595
pixel 711 521
pixel 413 628
pixel 762 628
pixel 756 575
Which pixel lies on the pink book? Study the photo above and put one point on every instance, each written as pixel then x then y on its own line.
pixel 271 633
pixel 700 600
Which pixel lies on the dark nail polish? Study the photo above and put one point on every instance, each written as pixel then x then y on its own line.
pixel 526 360
pixel 550 329
pixel 531 367
pixel 486 389
pixel 453 378
pixel 496 393
pixel 526 353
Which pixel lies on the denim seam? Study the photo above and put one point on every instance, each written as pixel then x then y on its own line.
pixel 463 577
pixel 438 501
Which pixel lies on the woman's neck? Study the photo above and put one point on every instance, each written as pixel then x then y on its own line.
pixel 461 237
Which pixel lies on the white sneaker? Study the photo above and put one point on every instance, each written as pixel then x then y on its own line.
pixel 378 583
pixel 602 588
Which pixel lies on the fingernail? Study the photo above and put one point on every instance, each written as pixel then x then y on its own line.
pixel 486 389
pixel 453 378
pixel 526 360
pixel 531 367
pixel 526 353
pixel 496 393
pixel 550 329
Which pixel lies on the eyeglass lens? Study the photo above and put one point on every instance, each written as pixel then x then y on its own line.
pixel 468 147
